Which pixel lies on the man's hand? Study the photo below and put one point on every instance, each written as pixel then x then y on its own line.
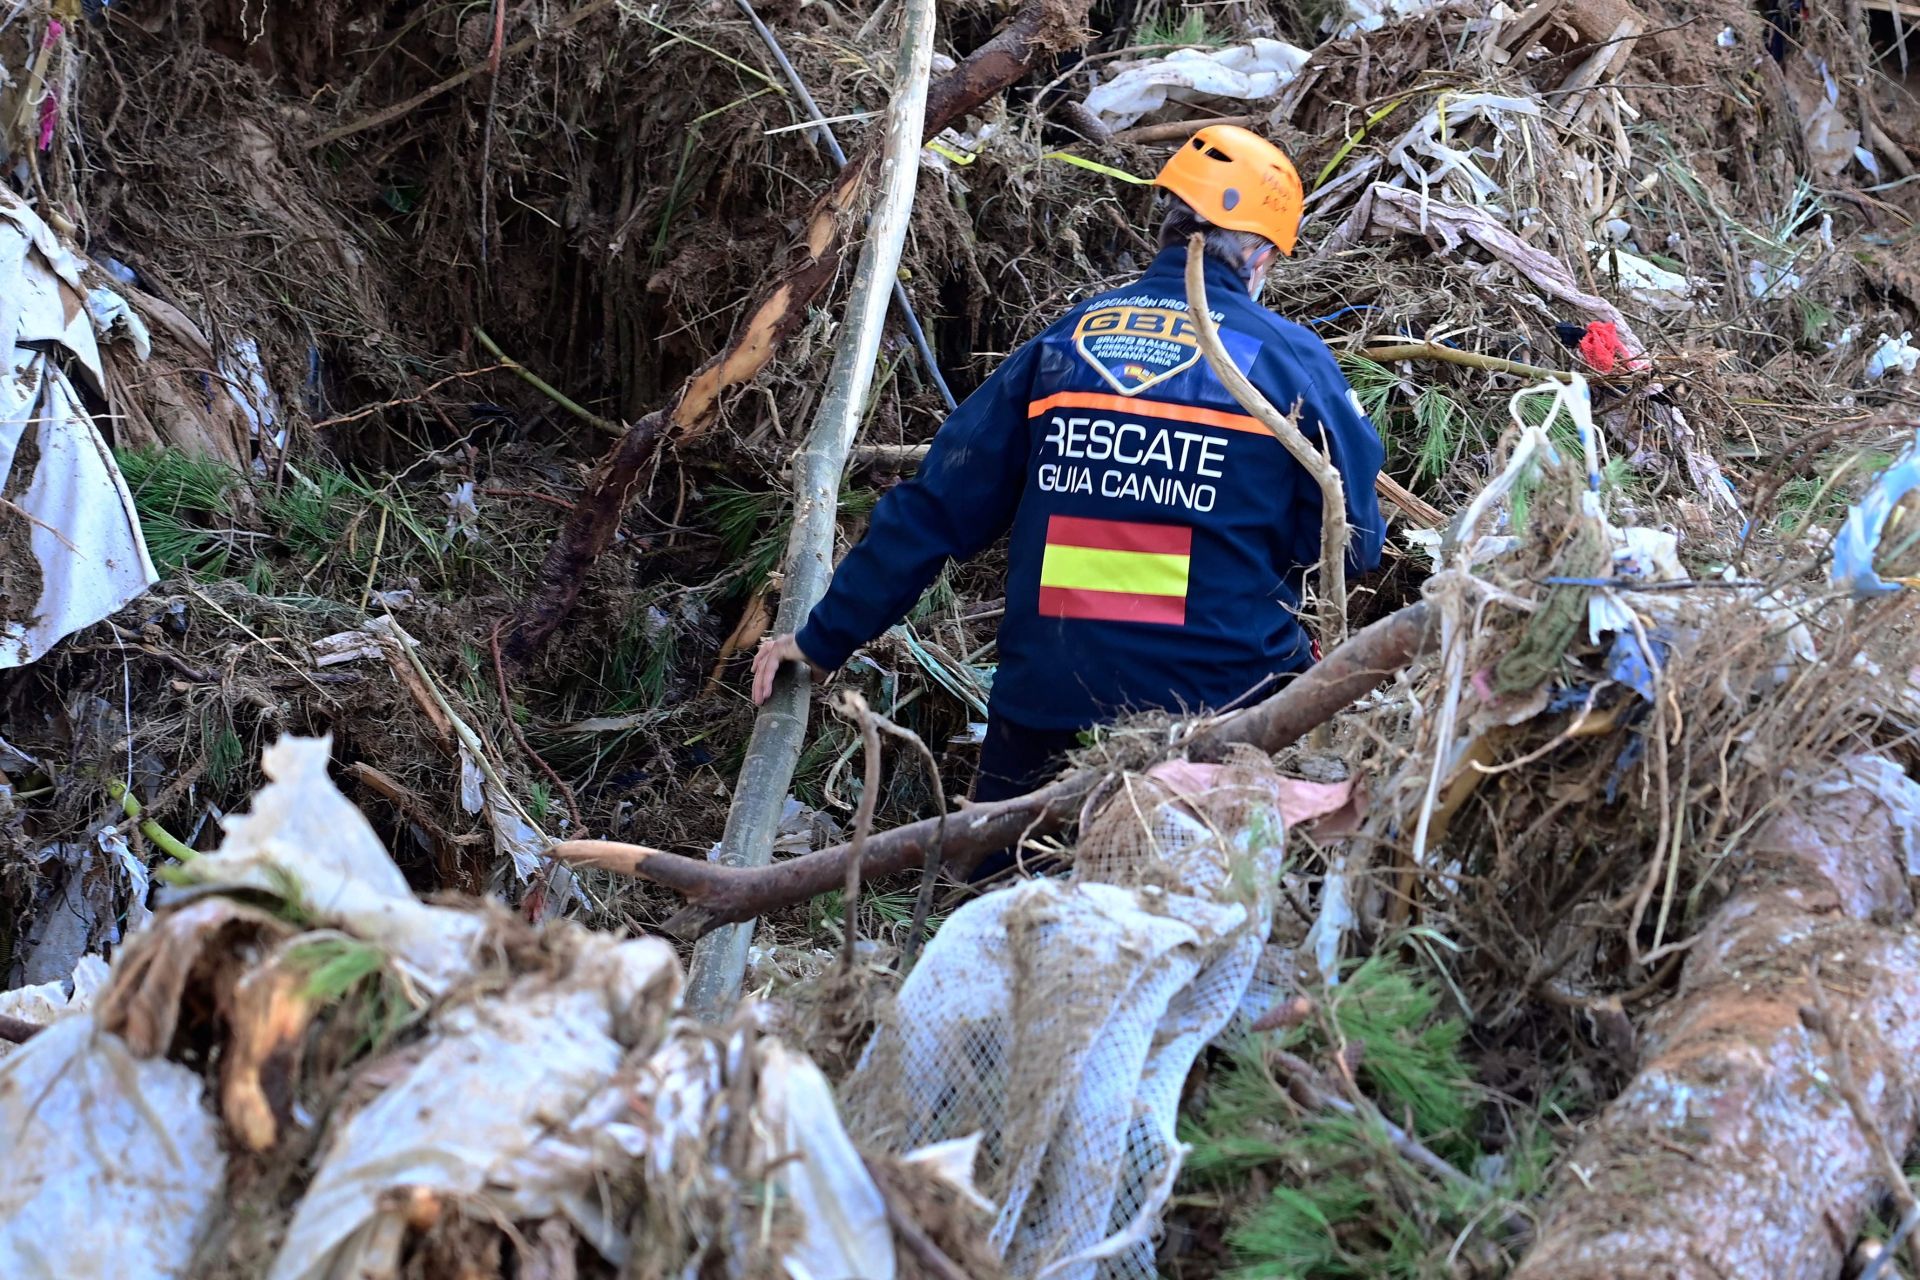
pixel 774 651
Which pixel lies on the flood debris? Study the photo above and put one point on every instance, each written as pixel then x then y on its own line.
pixel 1734 1151
pixel 71 549
pixel 295 948
pixel 1558 922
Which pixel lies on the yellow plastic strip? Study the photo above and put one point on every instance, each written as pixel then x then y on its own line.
pixel 1104 170
pixel 1141 573
pixel 940 148
pixel 1346 148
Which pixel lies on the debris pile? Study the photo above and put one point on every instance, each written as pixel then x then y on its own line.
pixel 429 388
pixel 418 1084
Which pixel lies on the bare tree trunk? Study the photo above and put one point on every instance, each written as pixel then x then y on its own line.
pixel 1735 1150
pixel 713 981
pixel 1041 27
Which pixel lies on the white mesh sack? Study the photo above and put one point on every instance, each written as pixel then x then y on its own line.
pixel 1059 1019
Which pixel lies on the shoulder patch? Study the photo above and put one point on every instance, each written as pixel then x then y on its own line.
pixel 1133 348
pixel 1353 398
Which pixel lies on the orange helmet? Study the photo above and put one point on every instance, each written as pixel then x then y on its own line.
pixel 1236 179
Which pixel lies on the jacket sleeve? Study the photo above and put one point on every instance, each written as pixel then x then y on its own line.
pixel 963 498
pixel 1355 447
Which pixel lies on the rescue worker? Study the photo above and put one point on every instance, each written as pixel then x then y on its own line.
pixel 1159 533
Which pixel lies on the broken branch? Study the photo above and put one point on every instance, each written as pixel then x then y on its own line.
pixel 779 731
pixel 1286 429
pixel 718 895
pixel 544 387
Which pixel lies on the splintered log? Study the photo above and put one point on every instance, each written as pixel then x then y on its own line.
pixel 717 895
pixel 1040 28
pixel 1736 1150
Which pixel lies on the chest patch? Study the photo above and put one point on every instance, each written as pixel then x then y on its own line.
pixel 1133 348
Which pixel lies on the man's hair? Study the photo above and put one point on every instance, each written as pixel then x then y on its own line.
pixel 1235 248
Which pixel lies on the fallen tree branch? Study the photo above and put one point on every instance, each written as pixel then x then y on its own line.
pixel 719 895
pixel 779 731
pixel 1286 429
pixel 812 263
pixel 1819 1019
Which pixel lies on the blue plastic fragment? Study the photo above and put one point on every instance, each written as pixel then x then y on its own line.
pixel 1859 537
pixel 1631 665
pixel 1630 756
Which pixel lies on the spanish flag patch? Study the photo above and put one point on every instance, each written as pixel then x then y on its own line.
pixel 1115 571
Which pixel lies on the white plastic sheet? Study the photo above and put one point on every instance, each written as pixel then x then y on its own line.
pixel 44 1002
pixel 301 836
pixel 451 1127
pixel 112 1163
pixel 72 515
pixel 1244 73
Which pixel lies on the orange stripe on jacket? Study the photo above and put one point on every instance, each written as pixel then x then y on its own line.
pixel 1147 409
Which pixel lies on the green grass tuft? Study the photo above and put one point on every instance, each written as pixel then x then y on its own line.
pixel 1181 26
pixel 185 505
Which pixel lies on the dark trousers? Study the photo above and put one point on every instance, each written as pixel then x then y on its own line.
pixel 1016 759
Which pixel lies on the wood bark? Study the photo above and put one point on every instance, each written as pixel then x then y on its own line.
pixel 1733 1152
pixel 720 961
pixel 1040 28
pixel 718 895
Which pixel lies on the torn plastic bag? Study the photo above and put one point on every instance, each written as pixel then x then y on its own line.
pixel 1243 73
pixel 71 550
pixel 1389 210
pixel 1428 138
pixel 450 1127
pixel 45 1002
pixel 1893 355
pixel 1646 282
pixel 305 841
pixel 842 1218
pixel 112 1163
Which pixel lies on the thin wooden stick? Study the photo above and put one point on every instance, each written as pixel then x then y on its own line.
pixel 1454 355
pixel 854 707
pixel 546 388
pixel 1286 429
pixel 520 737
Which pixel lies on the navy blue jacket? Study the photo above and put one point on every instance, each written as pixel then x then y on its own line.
pixel 1159 533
